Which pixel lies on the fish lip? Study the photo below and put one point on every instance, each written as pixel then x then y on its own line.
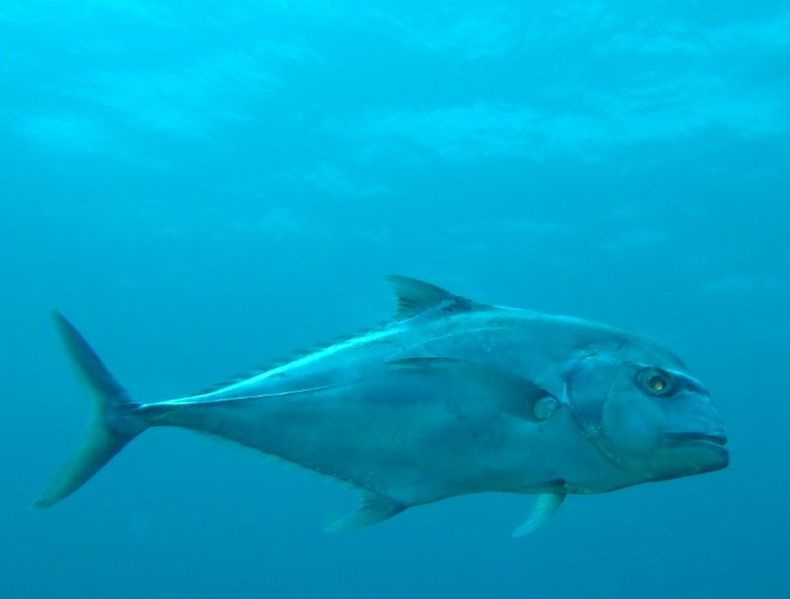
pixel 717 438
pixel 713 443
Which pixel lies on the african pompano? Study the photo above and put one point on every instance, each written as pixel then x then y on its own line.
pixel 450 397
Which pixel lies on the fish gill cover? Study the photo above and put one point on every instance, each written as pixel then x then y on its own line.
pixel 208 185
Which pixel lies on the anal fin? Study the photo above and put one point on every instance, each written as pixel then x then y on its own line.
pixel 374 508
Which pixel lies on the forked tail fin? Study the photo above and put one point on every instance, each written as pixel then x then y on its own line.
pixel 115 422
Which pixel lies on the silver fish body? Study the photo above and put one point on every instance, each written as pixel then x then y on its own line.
pixel 451 397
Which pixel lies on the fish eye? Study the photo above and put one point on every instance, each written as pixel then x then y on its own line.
pixel 655 382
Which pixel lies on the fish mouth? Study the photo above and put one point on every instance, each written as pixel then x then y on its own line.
pixel 719 439
pixel 711 443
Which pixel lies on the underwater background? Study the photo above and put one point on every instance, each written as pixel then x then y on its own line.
pixel 201 186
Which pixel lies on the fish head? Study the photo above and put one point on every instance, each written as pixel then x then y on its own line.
pixel 640 406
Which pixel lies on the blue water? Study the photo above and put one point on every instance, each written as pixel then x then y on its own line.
pixel 204 185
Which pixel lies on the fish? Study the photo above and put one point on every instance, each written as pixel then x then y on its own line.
pixel 449 397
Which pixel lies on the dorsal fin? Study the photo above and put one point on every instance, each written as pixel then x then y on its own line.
pixel 290 357
pixel 415 297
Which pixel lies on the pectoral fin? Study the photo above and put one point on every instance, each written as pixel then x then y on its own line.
pixel 544 508
pixel 513 394
pixel 374 508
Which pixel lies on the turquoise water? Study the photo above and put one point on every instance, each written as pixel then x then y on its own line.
pixel 204 185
